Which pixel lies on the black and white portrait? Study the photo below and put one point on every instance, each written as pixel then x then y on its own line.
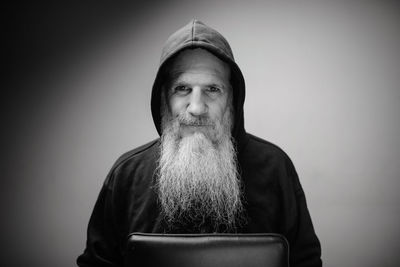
pixel 280 116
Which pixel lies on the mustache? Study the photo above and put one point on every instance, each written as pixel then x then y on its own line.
pixel 185 119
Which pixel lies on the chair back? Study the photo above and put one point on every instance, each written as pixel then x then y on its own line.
pixel 207 250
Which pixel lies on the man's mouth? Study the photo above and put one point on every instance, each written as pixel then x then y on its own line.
pixel 189 129
pixel 195 125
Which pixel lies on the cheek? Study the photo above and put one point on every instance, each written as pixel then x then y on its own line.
pixel 219 109
pixel 176 106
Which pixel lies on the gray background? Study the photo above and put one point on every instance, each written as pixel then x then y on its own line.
pixel 322 83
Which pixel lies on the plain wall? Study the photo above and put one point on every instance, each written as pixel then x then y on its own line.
pixel 322 80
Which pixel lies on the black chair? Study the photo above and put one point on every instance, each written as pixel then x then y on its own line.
pixel 206 250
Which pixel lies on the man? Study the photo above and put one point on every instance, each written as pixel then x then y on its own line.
pixel 205 174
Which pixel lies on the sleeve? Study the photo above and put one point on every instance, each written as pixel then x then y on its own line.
pixel 305 247
pixel 103 242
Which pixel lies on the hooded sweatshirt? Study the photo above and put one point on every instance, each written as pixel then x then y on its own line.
pixel 274 200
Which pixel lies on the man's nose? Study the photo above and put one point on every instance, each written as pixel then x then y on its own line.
pixel 197 106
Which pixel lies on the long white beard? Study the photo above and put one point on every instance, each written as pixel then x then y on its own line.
pixel 198 183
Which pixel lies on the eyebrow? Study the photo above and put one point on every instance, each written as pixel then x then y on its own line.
pixel 174 78
pixel 212 84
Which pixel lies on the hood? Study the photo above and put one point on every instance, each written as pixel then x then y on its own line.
pixel 198 35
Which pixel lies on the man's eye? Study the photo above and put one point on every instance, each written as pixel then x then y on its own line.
pixel 214 89
pixel 181 89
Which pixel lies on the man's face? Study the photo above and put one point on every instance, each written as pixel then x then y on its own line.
pixel 199 89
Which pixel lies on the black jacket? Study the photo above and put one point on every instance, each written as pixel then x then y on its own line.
pixel 274 203
pixel 274 200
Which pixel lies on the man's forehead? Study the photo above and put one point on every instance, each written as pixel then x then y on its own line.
pixel 199 60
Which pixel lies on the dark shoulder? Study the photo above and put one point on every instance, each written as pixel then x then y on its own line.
pixel 265 156
pixel 141 151
pixel 142 158
pixel 257 146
